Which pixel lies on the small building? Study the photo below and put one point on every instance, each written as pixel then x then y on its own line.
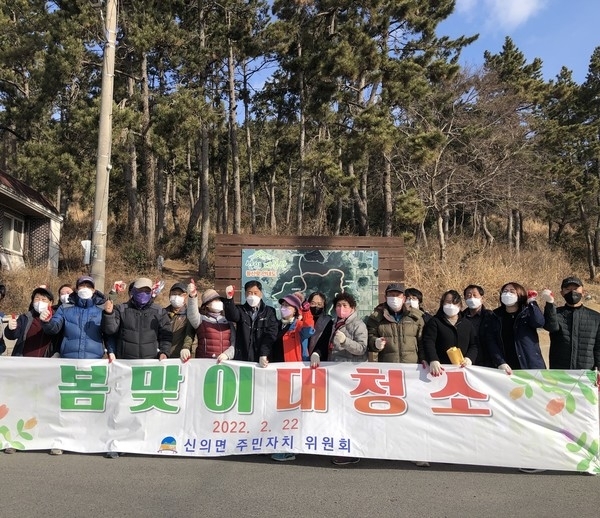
pixel 30 227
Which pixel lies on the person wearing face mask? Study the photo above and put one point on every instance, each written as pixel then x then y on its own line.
pixel 349 338
pixel 257 324
pixel 296 328
pixel 215 334
pixel 78 322
pixel 292 343
pixel 141 328
pixel 395 328
pixel 448 328
pixel 26 329
pixel 318 345
pixel 414 298
pixel 183 332
pixel 64 292
pixel 31 340
pixel 574 329
pixel 348 342
pixel 481 318
pixel 512 339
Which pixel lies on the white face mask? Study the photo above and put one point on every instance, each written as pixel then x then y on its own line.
pixel 40 306
pixel 473 303
pixel 176 301
pixel 395 303
pixel 85 293
pixel 412 303
pixel 450 309
pixel 508 298
pixel 65 298
pixel 253 300
pixel 215 306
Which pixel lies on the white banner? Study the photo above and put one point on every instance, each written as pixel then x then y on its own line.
pixel 535 419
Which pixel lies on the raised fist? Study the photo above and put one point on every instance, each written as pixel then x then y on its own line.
pixel 229 291
pixel 547 296
pixel 109 306
pixel 339 337
pixel 191 289
pixel 45 315
pixel 531 296
pixel 12 323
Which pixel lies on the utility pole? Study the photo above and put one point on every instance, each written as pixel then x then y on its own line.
pixel 103 165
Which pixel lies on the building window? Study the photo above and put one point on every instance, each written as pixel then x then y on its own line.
pixel 13 234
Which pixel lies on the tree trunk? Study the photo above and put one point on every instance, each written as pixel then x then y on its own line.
pixel 204 200
pixel 360 201
pixel 131 175
pixel 489 238
pixel 249 164
pixel 149 163
pixel 517 230
pixel 233 142
pixel 290 195
pixel 338 219
pixel 302 151
pixel 422 234
pixel 589 245
pixel 387 196
pixel 509 229
pixel 441 223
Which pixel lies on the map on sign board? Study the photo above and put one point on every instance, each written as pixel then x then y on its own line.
pixel 283 272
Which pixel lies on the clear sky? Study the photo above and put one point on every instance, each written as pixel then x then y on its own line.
pixel 559 32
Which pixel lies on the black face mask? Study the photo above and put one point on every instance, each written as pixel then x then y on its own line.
pixel 316 311
pixel 572 297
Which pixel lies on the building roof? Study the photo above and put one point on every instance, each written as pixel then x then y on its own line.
pixel 19 196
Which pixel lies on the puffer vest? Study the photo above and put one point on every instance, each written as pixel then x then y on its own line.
pixel 213 338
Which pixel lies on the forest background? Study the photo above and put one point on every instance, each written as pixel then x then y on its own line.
pixel 302 117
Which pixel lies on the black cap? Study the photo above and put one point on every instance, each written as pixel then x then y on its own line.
pixel 570 280
pixel 44 291
pixel 395 286
pixel 179 286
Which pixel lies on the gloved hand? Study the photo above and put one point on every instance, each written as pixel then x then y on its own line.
pixel 339 338
pixel 315 360
pixel 12 323
pixel 531 296
pixel 56 355
pixel 466 362
pixel 109 306
pixel 380 343
pixel 45 315
pixel 185 355
pixel 547 296
pixel 192 290
pixel 506 368
pixel 222 357
pixel 263 361
pixel 436 368
pixel 229 291
pixel 305 306
pixel 111 357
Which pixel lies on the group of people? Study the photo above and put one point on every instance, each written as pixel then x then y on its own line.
pixel 84 323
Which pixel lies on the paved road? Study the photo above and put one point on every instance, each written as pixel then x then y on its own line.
pixel 72 485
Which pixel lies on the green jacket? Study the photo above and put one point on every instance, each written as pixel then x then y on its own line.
pixel 403 337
